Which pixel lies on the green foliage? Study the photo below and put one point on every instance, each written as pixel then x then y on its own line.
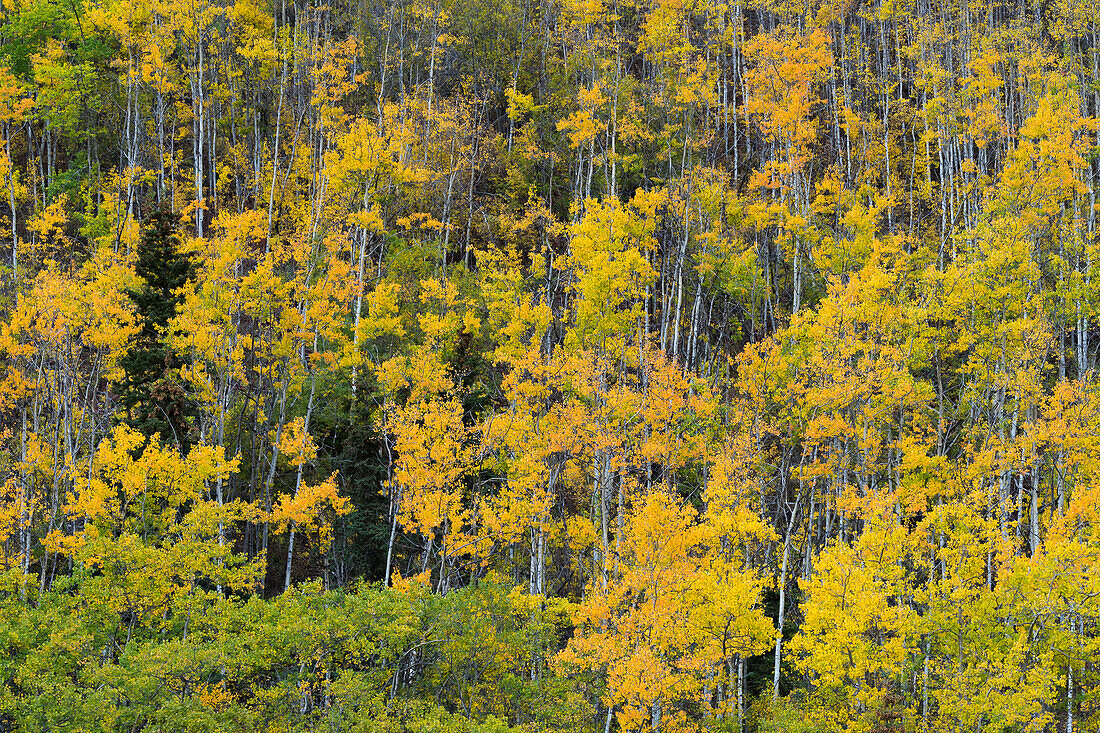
pixel 783 715
pixel 28 29
pixel 308 658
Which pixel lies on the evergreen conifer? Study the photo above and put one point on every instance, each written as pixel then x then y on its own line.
pixel 151 397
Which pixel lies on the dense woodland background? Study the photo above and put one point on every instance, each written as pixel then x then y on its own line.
pixel 550 365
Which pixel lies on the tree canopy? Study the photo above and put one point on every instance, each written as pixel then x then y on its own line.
pixel 548 365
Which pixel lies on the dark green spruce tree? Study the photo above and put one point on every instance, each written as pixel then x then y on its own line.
pixel 150 394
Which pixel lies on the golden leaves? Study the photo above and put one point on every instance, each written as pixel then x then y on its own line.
pixel 610 270
pixel 787 66
pixel 672 614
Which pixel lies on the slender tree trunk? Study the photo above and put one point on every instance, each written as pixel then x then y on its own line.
pixel 301 464
pixel 11 204
pixel 1069 680
pixel 395 506
pixel 783 601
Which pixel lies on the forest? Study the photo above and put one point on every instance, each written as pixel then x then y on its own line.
pixel 550 366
